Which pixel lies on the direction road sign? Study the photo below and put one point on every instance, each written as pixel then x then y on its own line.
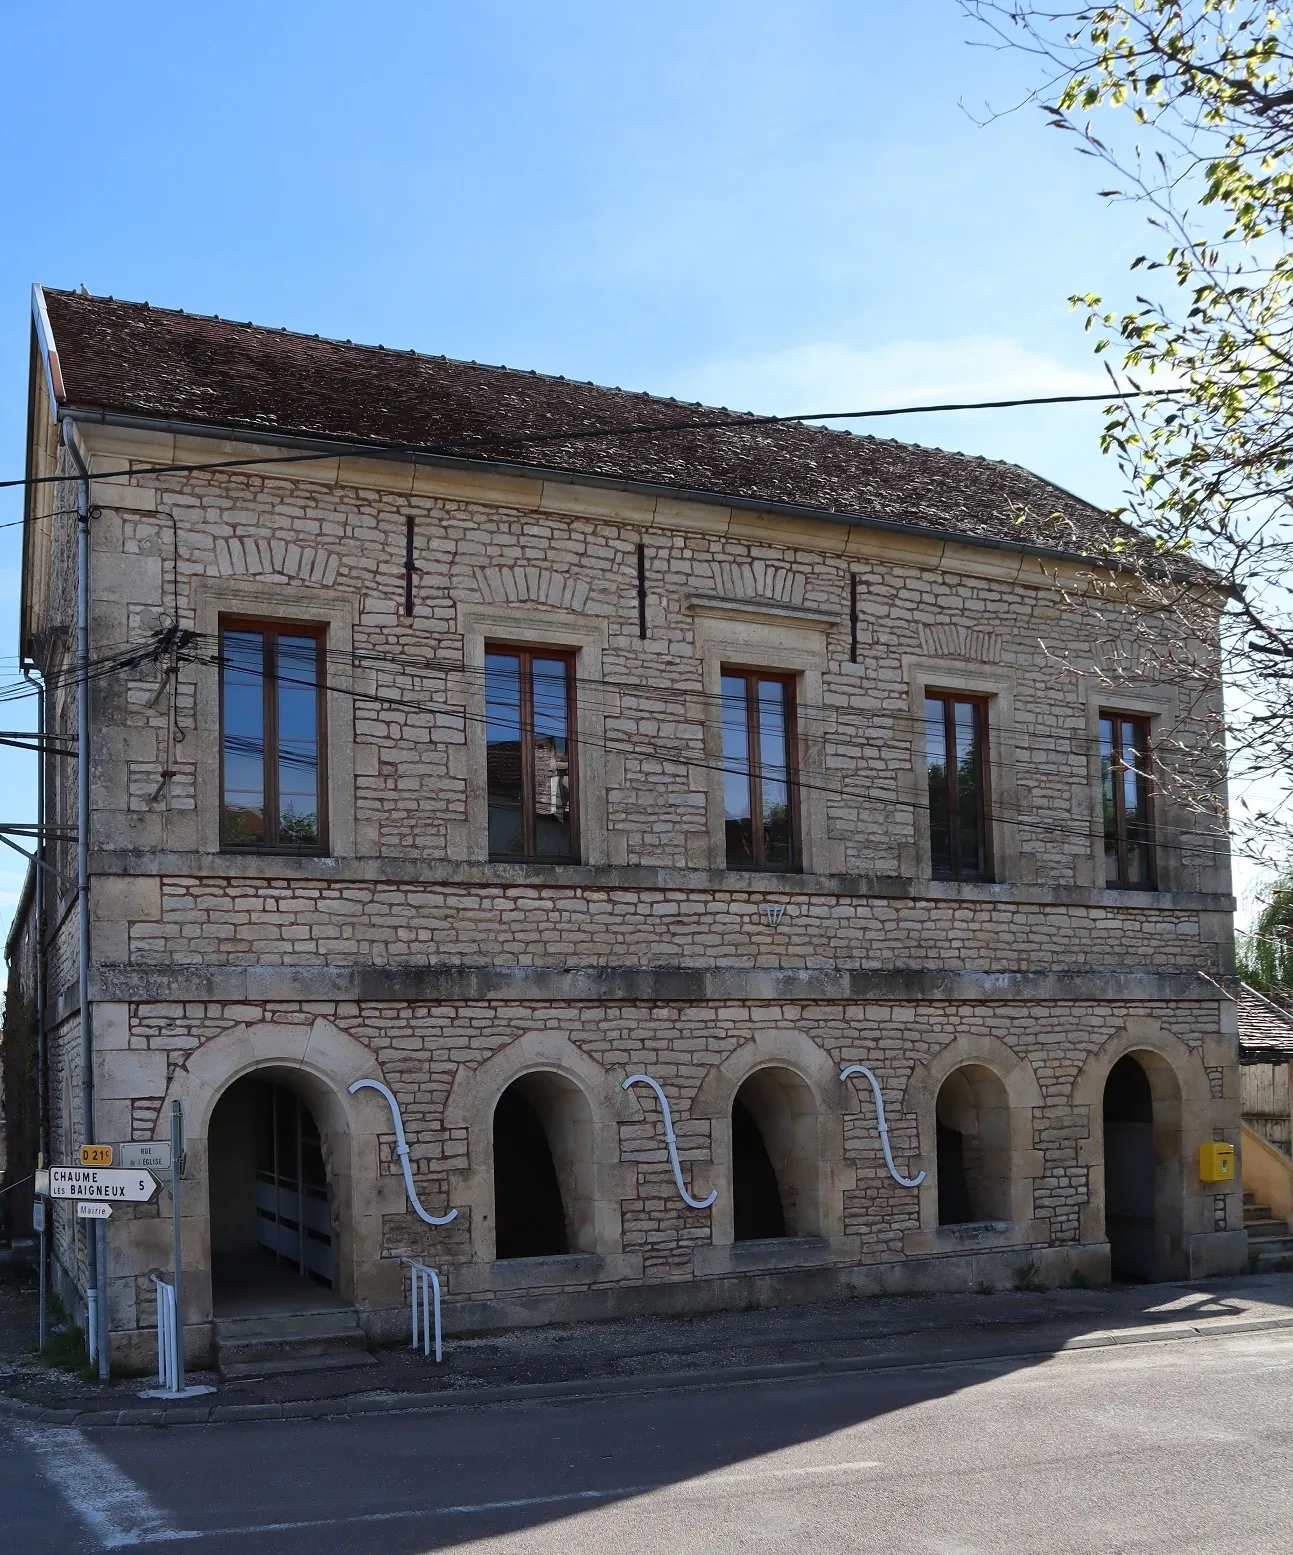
pixel 109 1183
pixel 152 1157
pixel 87 1209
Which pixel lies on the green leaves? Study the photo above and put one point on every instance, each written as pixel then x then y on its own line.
pixel 1190 103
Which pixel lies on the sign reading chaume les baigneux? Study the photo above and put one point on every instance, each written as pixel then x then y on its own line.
pixel 101 1182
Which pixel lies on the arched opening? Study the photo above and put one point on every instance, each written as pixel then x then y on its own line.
pixel 543 1174
pixel 1129 1171
pixel 972 1119
pixel 272 1241
pixel 774 1158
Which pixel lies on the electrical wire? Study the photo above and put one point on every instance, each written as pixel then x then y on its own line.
pixel 579 434
pixel 696 760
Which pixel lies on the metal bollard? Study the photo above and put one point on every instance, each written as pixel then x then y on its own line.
pixel 424 1280
pixel 166 1357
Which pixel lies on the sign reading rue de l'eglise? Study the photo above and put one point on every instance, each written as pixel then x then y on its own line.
pixel 101 1182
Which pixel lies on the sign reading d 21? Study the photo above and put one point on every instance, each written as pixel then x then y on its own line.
pixel 105 1183
pixel 96 1155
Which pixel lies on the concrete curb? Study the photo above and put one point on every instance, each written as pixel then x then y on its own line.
pixel 1026 1348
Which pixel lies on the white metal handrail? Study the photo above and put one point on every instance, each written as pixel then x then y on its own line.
pixel 671 1140
pixel 423 1278
pixel 907 1182
pixel 168 1367
pixel 402 1150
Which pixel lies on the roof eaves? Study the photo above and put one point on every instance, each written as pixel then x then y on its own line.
pixel 357 447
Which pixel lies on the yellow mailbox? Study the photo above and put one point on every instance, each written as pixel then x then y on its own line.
pixel 1216 1162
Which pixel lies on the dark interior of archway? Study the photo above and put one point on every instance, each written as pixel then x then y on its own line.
pixel 529 1218
pixel 271 1219
pixel 1129 1171
pixel 757 1210
pixel 954 1208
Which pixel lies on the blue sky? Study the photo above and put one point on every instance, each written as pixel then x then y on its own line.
pixel 779 208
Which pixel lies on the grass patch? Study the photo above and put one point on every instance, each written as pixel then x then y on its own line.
pixel 65 1349
pixel 1026 1276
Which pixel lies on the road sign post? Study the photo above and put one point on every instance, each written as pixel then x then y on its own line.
pixel 177 1167
pixel 38 1213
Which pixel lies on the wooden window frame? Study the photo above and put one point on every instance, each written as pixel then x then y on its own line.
pixel 527 653
pixel 272 630
pixel 1145 783
pixel 984 765
pixel 752 675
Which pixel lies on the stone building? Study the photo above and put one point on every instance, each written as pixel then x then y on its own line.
pixel 497 739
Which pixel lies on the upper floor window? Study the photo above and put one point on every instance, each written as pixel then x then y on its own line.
pixel 760 811
pixel 530 754
pixel 272 795
pixel 1124 778
pixel 956 761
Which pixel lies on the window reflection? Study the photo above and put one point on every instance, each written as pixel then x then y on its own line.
pixel 759 780
pixel 956 776
pixel 271 738
pixel 529 754
pixel 1125 796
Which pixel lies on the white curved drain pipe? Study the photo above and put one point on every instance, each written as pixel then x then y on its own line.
pixel 671 1140
pixel 402 1150
pixel 907 1182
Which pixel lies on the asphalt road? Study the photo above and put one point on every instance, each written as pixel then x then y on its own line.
pixel 1176 1447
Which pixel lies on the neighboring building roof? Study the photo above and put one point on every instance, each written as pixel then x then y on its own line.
pixel 1265 1030
pixel 130 359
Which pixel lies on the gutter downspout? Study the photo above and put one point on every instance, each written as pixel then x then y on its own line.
pixel 97 1316
pixel 42 1046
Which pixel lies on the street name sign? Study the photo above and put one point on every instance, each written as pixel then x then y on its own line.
pixel 89 1209
pixel 96 1155
pixel 155 1156
pixel 107 1183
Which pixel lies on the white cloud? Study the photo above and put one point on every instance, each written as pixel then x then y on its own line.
pixel 833 376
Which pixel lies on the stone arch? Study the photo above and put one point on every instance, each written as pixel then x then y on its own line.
pixel 597 1183
pixel 1181 1096
pixel 794 1091
pixel 320 1060
pixel 277 559
pixel 972 1147
pixel 535 585
pixel 1020 1164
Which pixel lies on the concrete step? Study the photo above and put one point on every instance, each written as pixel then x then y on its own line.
pixel 1260 1230
pixel 1273 1255
pixel 1253 1212
pixel 290 1341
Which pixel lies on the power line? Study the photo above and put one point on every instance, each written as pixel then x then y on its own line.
pixel 582 434
pixel 696 759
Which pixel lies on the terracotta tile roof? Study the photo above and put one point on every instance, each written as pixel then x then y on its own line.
pixel 148 362
pixel 1265 1030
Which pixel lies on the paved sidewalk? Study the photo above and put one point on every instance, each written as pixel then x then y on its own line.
pixel 867 1333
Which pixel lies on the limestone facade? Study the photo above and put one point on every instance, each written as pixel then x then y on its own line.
pixel 405 955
